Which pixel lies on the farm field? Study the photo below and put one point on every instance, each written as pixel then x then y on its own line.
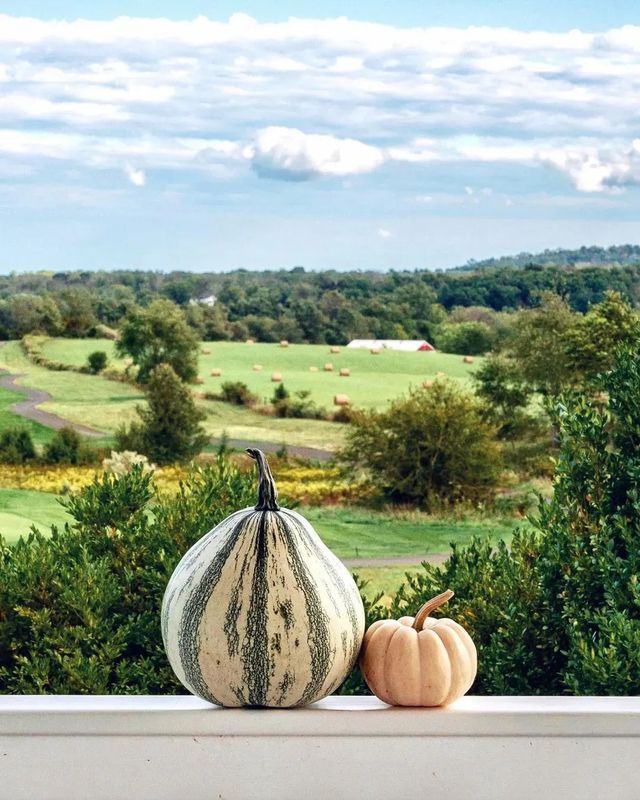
pixel 350 533
pixel 22 508
pixel 374 379
pixel 39 433
pixel 104 405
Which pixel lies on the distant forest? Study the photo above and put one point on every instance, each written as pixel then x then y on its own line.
pixel 319 307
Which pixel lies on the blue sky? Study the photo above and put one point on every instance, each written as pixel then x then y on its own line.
pixel 396 136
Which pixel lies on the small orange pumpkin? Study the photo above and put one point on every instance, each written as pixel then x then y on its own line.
pixel 419 661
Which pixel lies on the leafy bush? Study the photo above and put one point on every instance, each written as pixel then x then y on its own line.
pixel 97 361
pixel 559 612
pixel 238 393
pixel 430 448
pixel 169 429
pixel 300 406
pixel 80 609
pixel 16 446
pixel 68 447
pixel 465 338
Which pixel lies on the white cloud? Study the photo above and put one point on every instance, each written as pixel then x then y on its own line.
pixel 383 233
pixel 290 154
pixel 308 98
pixel 136 176
pixel 593 170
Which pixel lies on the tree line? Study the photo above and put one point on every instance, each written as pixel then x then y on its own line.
pixel 327 307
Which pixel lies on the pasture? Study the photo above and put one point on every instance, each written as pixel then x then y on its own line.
pixel 374 380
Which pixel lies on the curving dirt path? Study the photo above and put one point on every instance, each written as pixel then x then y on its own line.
pixel 28 407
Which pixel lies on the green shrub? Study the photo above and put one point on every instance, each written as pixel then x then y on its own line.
pixel 465 338
pixel 559 611
pixel 300 406
pixel 430 448
pixel 97 361
pixel 169 428
pixel 238 393
pixel 16 446
pixel 68 447
pixel 81 608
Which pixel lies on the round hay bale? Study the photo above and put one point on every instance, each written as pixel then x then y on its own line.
pixel 468 359
pixel 334 350
pixel 284 343
pixel 199 379
pixel 375 351
pixel 251 341
pixel 205 351
pixel 216 372
pixel 341 400
pixel 276 377
pixel 313 369
pixel 344 372
pixel 427 384
pixel 328 368
pixel 199 395
pixel 257 367
pixel 441 375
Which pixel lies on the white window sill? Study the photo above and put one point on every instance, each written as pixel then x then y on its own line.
pixel 170 748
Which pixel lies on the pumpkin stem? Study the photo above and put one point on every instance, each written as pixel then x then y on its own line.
pixel 267 492
pixel 430 606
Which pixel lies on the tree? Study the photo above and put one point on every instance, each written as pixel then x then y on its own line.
pixel 97 361
pixel 539 345
pixel 500 383
pixel 67 447
pixel 432 447
pixel 466 338
pixel 592 343
pixel 157 335
pixel 16 446
pixel 77 308
pixel 169 429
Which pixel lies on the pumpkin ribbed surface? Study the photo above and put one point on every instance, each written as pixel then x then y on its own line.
pixel 419 661
pixel 259 612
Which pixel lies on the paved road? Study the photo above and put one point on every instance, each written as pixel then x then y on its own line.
pixel 28 407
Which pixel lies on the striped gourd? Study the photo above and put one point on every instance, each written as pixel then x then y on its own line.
pixel 259 612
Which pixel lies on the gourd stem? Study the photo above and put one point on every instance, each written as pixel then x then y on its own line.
pixel 267 492
pixel 430 606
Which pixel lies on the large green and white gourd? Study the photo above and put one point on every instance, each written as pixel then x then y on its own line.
pixel 259 612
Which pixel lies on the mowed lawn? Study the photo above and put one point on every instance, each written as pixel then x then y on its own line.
pixel 105 405
pixel 8 419
pixel 20 509
pixel 373 382
pixel 350 533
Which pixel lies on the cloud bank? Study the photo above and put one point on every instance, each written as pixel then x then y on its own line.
pixel 308 99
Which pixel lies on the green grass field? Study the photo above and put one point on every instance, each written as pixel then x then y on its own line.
pixel 374 379
pixel 104 405
pixel 8 419
pixel 350 533
pixel 362 533
pixel 22 508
